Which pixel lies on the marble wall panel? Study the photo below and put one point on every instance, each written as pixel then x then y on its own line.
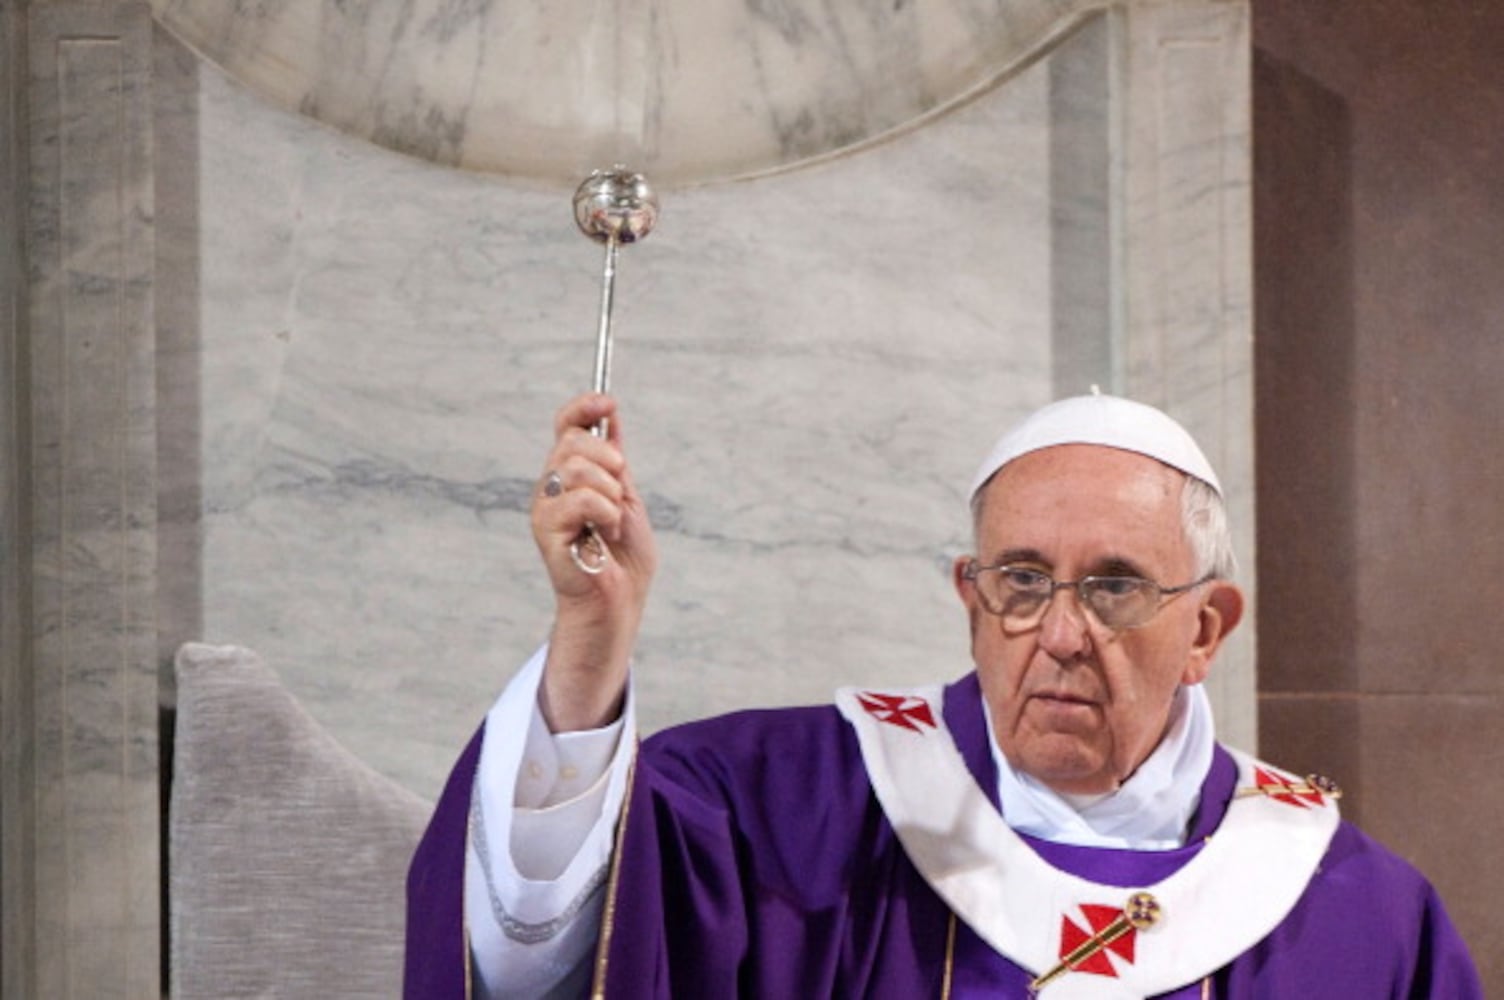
pixel 92 398
pixel 812 364
pixel 177 293
pixel 1083 164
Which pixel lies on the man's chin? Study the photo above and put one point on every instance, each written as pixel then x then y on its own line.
pixel 1070 769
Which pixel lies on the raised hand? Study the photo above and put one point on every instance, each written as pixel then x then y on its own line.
pixel 586 481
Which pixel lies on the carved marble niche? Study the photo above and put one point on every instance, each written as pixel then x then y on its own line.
pixel 683 90
pixel 888 230
pixel 984 208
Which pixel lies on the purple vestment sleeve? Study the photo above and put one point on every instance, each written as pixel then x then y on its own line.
pixel 755 862
pixel 435 967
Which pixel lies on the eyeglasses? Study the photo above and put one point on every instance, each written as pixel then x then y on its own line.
pixel 1020 595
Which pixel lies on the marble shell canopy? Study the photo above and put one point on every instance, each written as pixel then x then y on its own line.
pixel 686 91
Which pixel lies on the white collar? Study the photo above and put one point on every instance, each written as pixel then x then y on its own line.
pixel 1148 812
pixel 1241 883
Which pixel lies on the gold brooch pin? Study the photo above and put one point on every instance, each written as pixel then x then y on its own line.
pixel 1114 931
pixel 1316 789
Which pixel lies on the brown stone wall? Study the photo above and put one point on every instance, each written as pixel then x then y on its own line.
pixel 1379 270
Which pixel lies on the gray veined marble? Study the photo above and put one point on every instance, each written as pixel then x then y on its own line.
pixel 90 702
pixel 811 364
pixel 686 90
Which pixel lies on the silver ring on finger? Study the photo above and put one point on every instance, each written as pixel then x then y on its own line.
pixel 553 485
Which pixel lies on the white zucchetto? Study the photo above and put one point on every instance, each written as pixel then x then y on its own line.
pixel 1110 421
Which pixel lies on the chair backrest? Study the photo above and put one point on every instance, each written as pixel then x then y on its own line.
pixel 287 855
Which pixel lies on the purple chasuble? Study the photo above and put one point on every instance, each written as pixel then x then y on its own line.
pixel 756 862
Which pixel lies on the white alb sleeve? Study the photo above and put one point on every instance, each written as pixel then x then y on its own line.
pixel 542 824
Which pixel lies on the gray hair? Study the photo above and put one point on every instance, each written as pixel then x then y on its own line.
pixel 1203 519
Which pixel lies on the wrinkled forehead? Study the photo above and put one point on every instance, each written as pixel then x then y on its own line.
pixel 1093 507
pixel 1108 421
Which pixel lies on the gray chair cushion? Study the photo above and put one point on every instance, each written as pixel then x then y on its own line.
pixel 287 855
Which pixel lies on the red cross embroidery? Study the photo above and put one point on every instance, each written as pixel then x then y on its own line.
pixel 1103 921
pixel 1281 789
pixel 1113 932
pixel 900 710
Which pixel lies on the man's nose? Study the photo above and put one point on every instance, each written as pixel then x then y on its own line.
pixel 1065 629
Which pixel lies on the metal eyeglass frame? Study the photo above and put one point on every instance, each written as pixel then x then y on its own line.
pixel 1082 587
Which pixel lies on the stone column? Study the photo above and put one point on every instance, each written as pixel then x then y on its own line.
pixel 1186 268
pixel 82 862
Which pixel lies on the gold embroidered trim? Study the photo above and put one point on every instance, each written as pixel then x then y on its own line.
pixel 608 915
pixel 1315 784
pixel 950 957
pixel 465 904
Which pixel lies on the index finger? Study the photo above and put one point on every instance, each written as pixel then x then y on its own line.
pixel 584 411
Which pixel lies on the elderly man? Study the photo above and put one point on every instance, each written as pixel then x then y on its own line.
pixel 1059 822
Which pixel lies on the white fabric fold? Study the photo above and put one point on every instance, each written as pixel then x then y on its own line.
pixel 543 819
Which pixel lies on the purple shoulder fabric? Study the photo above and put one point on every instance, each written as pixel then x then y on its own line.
pixel 435 965
pixel 1369 925
pixel 755 862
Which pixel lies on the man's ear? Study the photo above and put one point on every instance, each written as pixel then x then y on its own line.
pixel 965 589
pixel 1221 610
